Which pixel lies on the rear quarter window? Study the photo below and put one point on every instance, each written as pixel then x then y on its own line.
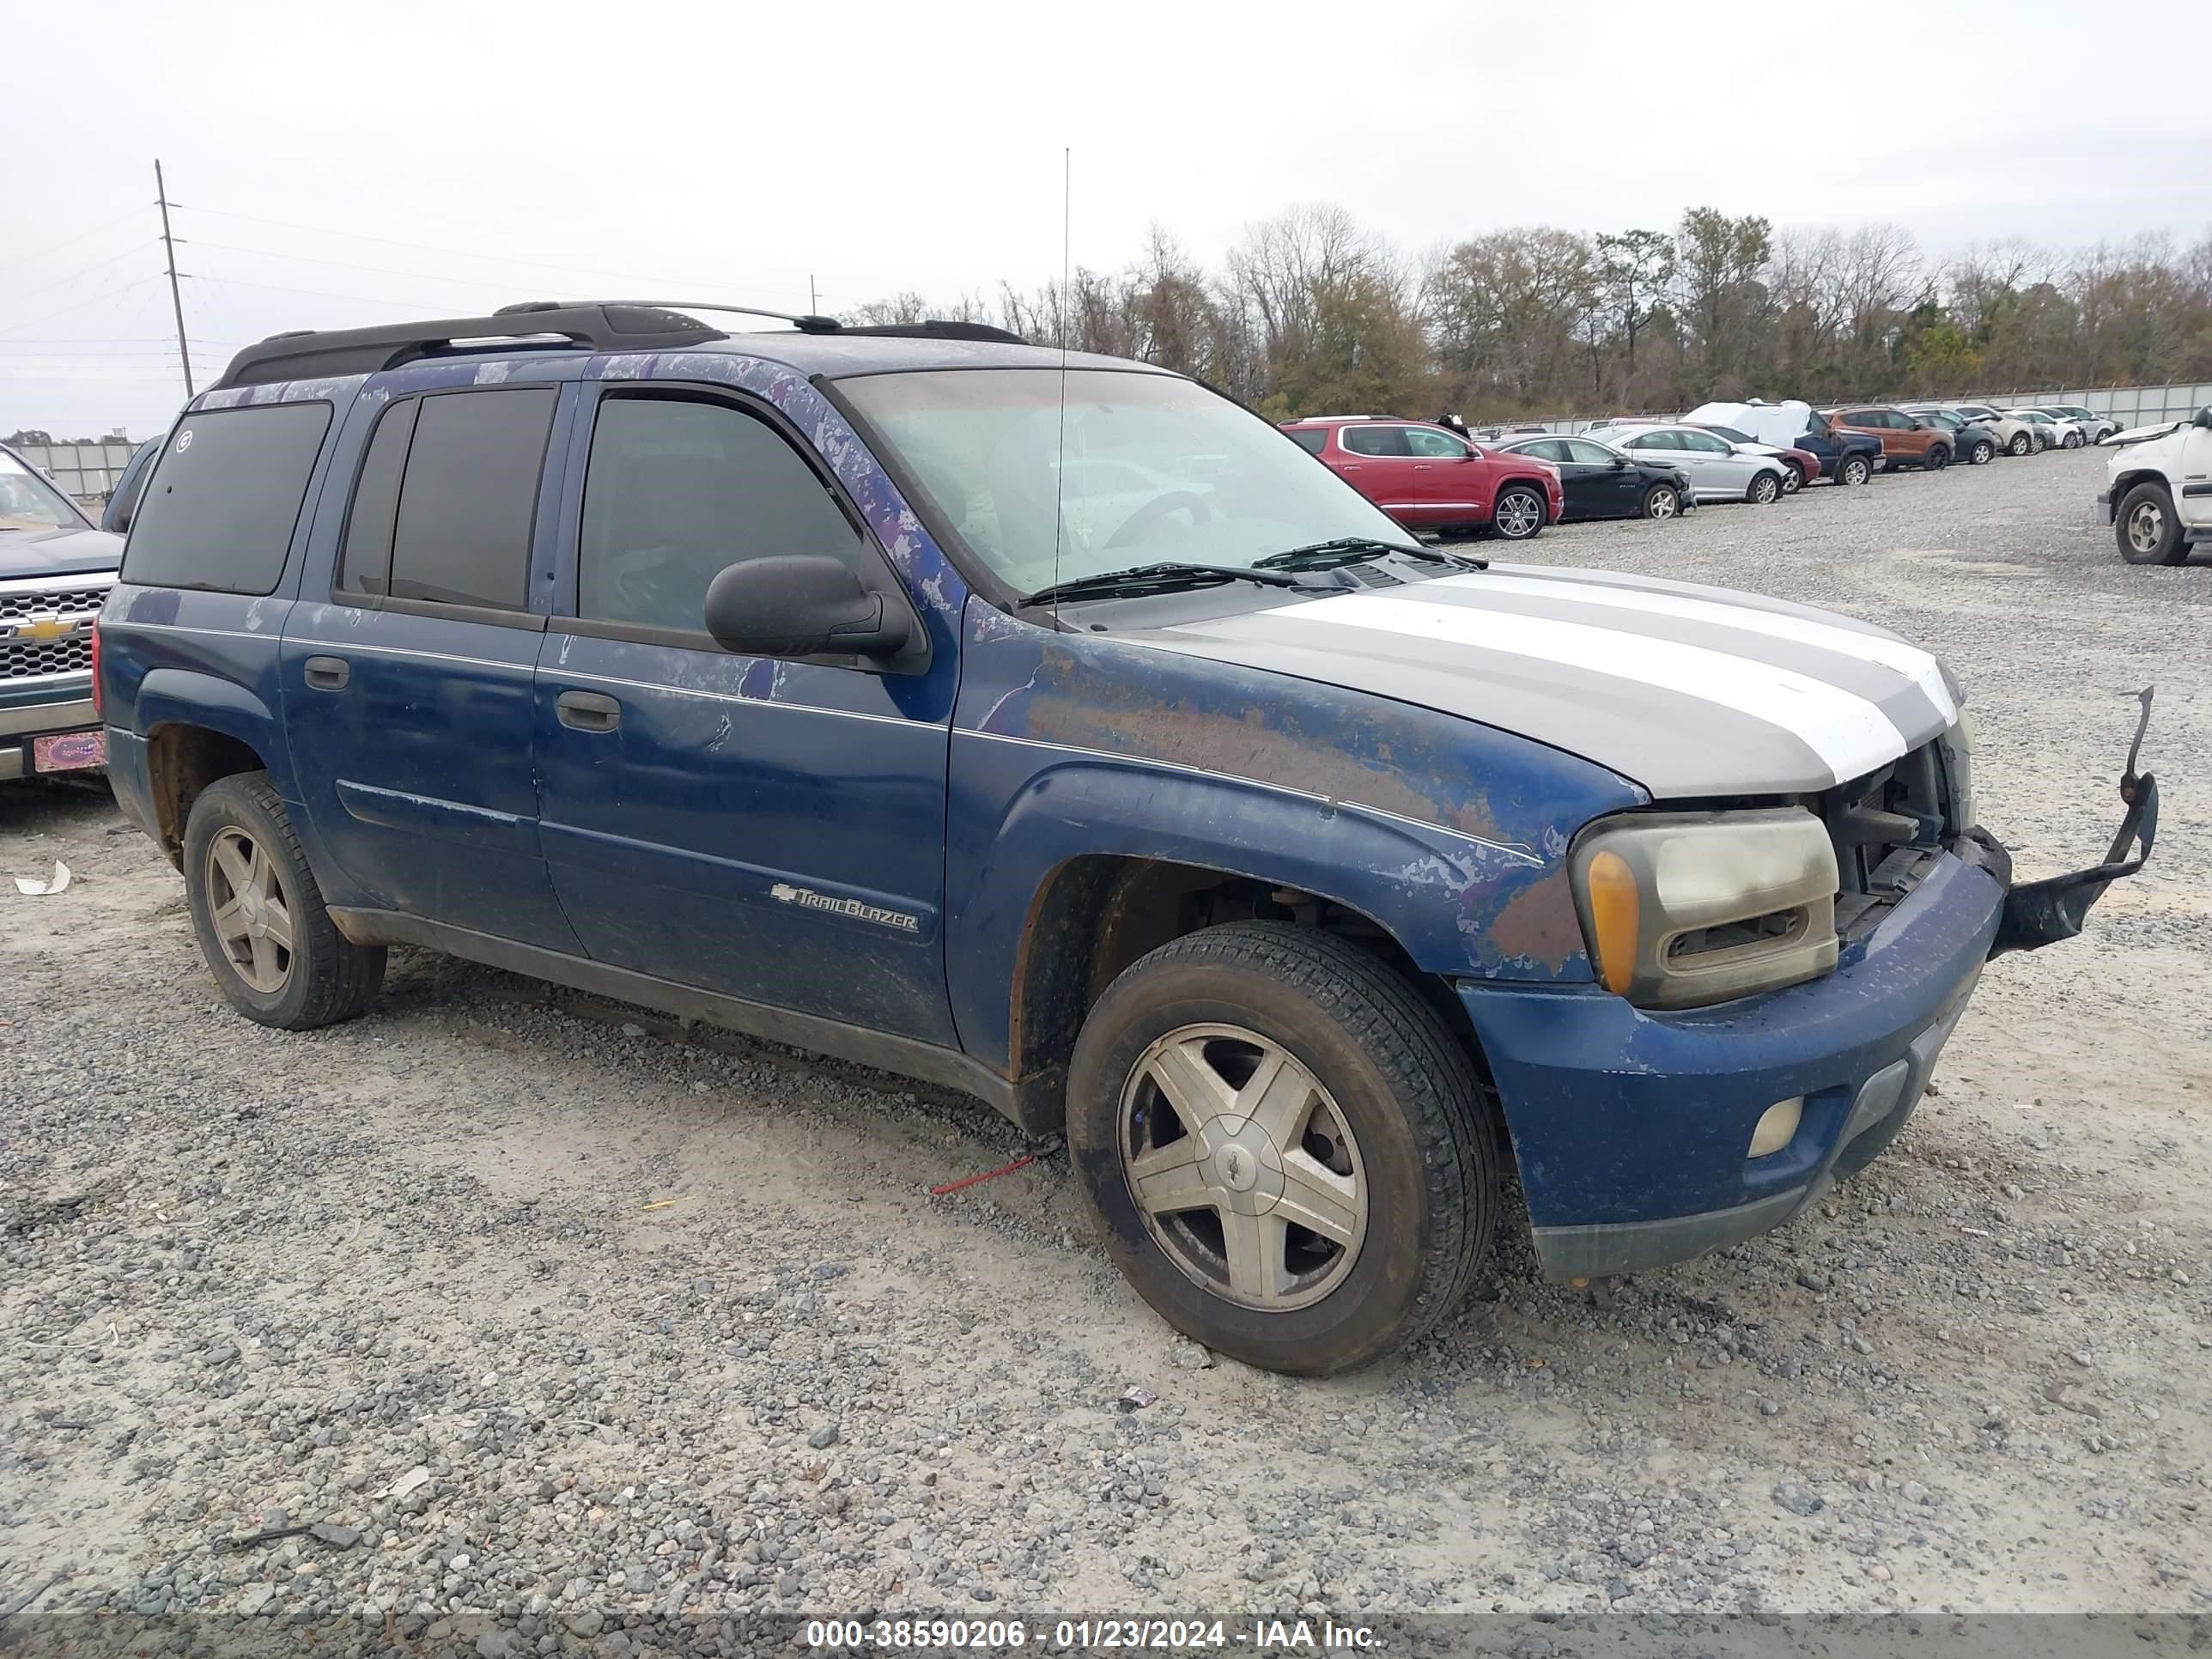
pixel 1312 440
pixel 225 498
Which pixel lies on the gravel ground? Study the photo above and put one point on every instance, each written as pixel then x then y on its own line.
pixel 548 1317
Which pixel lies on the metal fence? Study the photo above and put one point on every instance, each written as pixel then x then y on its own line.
pixel 2131 405
pixel 87 472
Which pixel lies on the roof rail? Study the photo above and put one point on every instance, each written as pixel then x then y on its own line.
pixel 309 354
pixel 588 324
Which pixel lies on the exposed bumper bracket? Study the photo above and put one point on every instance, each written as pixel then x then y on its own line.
pixel 2040 913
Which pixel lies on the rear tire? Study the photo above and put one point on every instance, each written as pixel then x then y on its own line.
pixel 2146 528
pixel 1855 469
pixel 1765 490
pixel 1517 514
pixel 1347 1048
pixel 1662 501
pixel 2020 444
pixel 259 916
pixel 1983 452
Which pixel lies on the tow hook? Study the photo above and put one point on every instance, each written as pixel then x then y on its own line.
pixel 2040 913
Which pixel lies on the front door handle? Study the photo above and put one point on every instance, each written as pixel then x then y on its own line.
pixel 588 711
pixel 328 673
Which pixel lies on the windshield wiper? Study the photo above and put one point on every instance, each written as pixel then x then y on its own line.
pixel 1358 549
pixel 1165 578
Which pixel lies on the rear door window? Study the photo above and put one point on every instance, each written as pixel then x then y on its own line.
pixel 1377 440
pixel 468 502
pixel 225 498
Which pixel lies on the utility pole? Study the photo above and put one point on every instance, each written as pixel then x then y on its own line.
pixel 176 297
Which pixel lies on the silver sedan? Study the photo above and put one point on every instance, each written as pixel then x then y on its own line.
pixel 1718 470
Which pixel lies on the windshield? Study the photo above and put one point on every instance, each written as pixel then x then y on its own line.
pixel 1154 467
pixel 27 501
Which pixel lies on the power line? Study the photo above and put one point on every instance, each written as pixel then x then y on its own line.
pixel 71 241
pixel 78 305
pixel 456 253
pixel 321 293
pixel 139 247
pixel 348 264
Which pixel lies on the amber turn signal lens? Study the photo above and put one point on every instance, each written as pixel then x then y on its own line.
pixel 1613 917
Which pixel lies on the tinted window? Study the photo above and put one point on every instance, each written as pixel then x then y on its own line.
pixel 1373 440
pixel 678 490
pixel 1574 449
pixel 365 565
pixel 1312 438
pixel 220 511
pixel 1433 444
pixel 462 535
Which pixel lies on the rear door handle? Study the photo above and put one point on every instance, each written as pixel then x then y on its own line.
pixel 588 711
pixel 328 673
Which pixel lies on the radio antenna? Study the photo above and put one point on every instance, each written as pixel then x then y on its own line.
pixel 1060 471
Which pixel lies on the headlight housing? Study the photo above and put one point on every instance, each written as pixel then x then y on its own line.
pixel 1680 909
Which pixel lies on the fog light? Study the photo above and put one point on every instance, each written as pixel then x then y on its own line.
pixel 1778 1127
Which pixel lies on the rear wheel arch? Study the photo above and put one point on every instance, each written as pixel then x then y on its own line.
pixel 181 761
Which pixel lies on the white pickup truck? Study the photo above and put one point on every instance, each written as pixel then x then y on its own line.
pixel 2158 491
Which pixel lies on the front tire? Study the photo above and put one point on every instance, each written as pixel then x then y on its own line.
pixel 259 916
pixel 1936 458
pixel 1792 479
pixel 1661 501
pixel 2073 440
pixel 2020 444
pixel 1284 1146
pixel 1518 513
pixel 1855 469
pixel 1983 452
pixel 2146 529
pixel 1765 490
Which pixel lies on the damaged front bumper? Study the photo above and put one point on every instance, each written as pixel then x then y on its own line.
pixel 2040 913
pixel 1631 1126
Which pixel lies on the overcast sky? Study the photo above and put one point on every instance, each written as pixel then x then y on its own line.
pixel 339 165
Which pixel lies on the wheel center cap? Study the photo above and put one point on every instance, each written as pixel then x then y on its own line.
pixel 1242 1163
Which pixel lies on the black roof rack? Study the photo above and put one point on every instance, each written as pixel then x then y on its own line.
pixel 310 354
pixel 591 326
pixel 942 329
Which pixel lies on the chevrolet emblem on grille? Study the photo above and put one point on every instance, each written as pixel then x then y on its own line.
pixel 41 628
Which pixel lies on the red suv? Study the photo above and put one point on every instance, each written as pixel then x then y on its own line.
pixel 1429 478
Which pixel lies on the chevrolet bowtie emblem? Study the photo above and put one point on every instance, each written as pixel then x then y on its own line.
pixel 45 628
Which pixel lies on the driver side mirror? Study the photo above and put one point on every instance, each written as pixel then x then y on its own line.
pixel 1619 462
pixel 800 606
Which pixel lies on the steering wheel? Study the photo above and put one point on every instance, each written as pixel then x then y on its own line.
pixel 1175 500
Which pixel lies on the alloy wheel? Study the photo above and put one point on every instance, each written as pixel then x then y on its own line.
pixel 2146 529
pixel 250 910
pixel 1519 515
pixel 1242 1166
pixel 1664 504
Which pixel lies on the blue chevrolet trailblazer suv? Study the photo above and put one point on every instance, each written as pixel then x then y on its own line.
pixel 1053 728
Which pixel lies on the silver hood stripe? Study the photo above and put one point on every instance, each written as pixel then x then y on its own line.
pixel 1909 660
pixel 1691 691
pixel 1851 735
